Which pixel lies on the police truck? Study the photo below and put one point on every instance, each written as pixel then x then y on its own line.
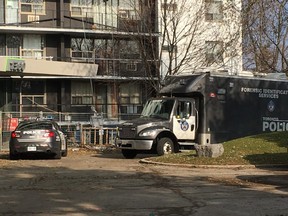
pixel 203 109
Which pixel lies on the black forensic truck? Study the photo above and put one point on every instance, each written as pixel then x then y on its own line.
pixel 205 108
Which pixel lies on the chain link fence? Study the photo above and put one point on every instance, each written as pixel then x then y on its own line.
pixel 81 129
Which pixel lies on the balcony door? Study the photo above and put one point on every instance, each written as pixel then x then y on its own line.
pixel 105 14
pixel 12 11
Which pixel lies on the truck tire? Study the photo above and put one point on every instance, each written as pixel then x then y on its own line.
pixel 129 154
pixel 165 146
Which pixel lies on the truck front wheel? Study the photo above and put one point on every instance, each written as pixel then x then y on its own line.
pixel 129 154
pixel 165 146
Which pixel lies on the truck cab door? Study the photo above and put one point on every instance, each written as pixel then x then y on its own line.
pixel 184 120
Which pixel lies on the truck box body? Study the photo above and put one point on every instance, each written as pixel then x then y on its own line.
pixel 226 107
pixel 234 106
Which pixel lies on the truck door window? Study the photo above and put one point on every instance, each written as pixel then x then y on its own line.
pixel 184 109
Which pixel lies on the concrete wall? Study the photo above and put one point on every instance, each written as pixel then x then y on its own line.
pixel 46 68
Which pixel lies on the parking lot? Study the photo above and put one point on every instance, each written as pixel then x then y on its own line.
pixel 104 183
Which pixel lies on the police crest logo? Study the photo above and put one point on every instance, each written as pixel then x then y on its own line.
pixel 184 125
pixel 271 106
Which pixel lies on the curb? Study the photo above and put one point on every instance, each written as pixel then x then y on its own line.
pixel 147 161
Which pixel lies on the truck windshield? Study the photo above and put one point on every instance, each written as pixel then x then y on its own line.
pixel 158 109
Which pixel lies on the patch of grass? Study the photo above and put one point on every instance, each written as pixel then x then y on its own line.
pixel 269 148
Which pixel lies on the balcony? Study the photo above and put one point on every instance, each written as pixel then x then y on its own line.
pixel 74 19
pixel 28 66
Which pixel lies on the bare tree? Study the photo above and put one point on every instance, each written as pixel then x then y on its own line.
pixel 187 35
pixel 265 27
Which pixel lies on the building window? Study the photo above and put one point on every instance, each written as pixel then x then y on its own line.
pixel 10 11
pixel 82 49
pixel 131 66
pixel 130 98
pixel 128 14
pixel 214 52
pixel 33 46
pixel 129 49
pixel 213 10
pixel 33 93
pixel 172 7
pixel 81 8
pixel 81 93
pixel 13 42
pixel 33 6
pixel 2 45
pixel 2 17
pixel 32 100
pixel 165 48
pixel 129 9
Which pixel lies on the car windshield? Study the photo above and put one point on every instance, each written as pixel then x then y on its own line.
pixel 35 125
pixel 159 108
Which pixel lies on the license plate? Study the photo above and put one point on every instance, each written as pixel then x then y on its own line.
pixel 31 148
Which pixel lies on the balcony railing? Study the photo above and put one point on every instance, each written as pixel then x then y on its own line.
pixel 75 19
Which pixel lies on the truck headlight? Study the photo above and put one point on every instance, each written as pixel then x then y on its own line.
pixel 148 133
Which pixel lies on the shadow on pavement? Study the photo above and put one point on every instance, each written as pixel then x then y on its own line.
pixel 279 181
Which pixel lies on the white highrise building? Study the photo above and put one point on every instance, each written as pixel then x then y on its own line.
pixel 200 35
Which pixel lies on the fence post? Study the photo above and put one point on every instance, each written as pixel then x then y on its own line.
pixel 83 134
pixel 95 136
pixel 107 136
pixel 101 133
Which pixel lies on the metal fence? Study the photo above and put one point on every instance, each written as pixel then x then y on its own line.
pixel 85 129
pixel 96 136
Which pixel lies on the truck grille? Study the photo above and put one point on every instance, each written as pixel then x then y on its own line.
pixel 127 132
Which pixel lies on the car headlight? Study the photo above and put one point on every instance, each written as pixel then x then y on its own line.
pixel 148 133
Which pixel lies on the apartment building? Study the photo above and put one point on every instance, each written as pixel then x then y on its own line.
pixel 69 55
pixel 201 35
